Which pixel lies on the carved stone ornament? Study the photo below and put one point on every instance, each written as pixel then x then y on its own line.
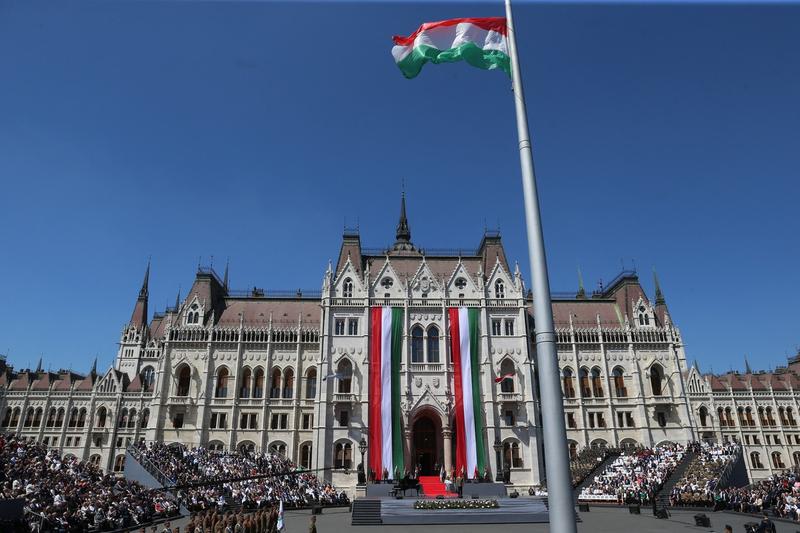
pixel 436 383
pixel 418 382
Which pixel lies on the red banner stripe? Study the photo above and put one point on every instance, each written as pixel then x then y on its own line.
pixel 497 24
pixel 375 458
pixel 455 350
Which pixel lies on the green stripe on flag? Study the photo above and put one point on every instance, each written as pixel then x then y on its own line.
pixel 412 64
pixel 397 351
pixel 474 348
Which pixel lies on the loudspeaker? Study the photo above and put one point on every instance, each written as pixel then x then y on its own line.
pixel 583 507
pixel 635 509
pixel 661 513
pixel 317 509
pixel 702 520
pixel 514 494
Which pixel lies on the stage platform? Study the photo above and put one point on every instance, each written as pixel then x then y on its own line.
pixel 481 490
pixel 511 511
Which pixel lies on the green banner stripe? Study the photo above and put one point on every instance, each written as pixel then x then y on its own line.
pixel 412 64
pixel 474 350
pixel 397 351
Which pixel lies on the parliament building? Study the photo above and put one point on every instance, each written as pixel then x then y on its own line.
pixel 288 372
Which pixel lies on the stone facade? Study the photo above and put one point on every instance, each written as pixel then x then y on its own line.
pixel 288 372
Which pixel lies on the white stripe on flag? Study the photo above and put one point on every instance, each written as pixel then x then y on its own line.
pixel 386 389
pixel 466 391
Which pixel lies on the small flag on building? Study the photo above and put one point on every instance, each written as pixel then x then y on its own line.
pixel 280 525
pixel 481 42
pixel 504 377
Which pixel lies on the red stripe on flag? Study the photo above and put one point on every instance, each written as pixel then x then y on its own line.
pixel 497 24
pixel 375 458
pixel 455 350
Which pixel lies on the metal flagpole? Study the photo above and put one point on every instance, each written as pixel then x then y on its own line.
pixel 559 483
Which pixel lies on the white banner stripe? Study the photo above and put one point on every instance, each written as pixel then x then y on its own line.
pixel 386 389
pixel 466 390
pixel 447 37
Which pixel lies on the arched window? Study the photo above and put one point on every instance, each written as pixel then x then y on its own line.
pixel 305 455
pixel 73 417
pixel 499 289
pixel 770 417
pixel 568 383
pixel 82 418
pixel 599 444
pixel 508 373
pixel 776 460
pixel 37 418
pixel 288 383
pixel 221 390
pixel 101 417
pixel 145 418
pixel 119 463
pixel 59 418
pixel 132 418
pixel 748 413
pixel 755 460
pixel 275 384
pixel 619 383
pixel 790 417
pixel 597 384
pixel 28 418
pixel 184 379
pixel 721 417
pixel 347 288
pixel 573 450
pixel 433 344
pixel 345 378
pixel 761 418
pixel 703 416
pixel 148 377
pixel 258 383
pixel 216 446
pixel 511 454
pixel 246 447
pixel 122 421
pixel 245 385
pixel 95 459
pixel 782 416
pixel 656 375
pixel 311 384
pixel 628 444
pixel 796 458
pixel 343 455
pixel 278 448
pixel 193 317
pixel 417 355
pixel 51 417
pixel 583 376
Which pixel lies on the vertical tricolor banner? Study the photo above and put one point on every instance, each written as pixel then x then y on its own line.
pixel 385 351
pixel 464 339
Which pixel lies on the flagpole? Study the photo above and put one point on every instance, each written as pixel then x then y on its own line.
pixel 559 483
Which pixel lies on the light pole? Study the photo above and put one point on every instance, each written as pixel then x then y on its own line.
pixel 498 448
pixel 362 447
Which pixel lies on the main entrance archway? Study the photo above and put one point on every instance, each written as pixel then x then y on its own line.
pixel 426 445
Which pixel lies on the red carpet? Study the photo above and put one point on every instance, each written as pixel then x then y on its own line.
pixel 432 487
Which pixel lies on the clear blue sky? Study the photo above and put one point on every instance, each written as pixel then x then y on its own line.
pixel 664 134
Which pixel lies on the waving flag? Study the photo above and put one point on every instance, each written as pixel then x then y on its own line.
pixel 481 42
pixel 504 377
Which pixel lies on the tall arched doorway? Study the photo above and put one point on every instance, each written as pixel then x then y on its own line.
pixel 426 445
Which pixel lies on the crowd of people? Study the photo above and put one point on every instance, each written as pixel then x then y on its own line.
pixel 697 486
pixel 278 478
pixel 779 494
pixel 65 494
pixel 636 476
pixel 585 462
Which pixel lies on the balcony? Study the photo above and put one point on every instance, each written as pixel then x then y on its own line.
pixel 182 400
pixel 344 397
pixel 426 367
pixel 509 396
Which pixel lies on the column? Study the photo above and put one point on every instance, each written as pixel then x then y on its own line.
pixel 447 437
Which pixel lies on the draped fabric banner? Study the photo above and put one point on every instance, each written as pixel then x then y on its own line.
pixel 385 350
pixel 464 342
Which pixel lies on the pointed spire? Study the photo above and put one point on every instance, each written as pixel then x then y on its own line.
pixel 39 364
pixel 747 368
pixel 581 290
pixel 225 276
pixel 143 292
pixel 139 316
pixel 178 299
pixel 659 295
pixel 403 235
pixel 94 367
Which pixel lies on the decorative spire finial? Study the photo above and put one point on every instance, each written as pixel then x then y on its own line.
pixel 659 295
pixel 225 276
pixel 747 368
pixel 143 292
pixel 39 364
pixel 581 289
pixel 178 299
pixel 403 235
pixel 94 367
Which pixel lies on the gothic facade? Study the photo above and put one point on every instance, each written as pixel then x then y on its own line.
pixel 288 372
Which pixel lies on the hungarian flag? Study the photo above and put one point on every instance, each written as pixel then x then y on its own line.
pixel 481 42
pixel 385 350
pixel 504 377
pixel 464 342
